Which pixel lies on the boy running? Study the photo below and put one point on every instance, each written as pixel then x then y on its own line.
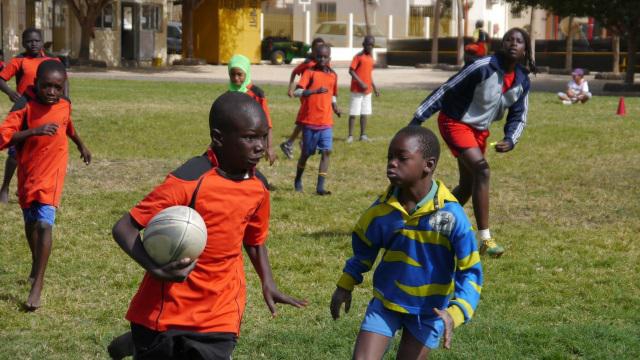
pixel 318 89
pixel 38 126
pixel 362 86
pixel 23 67
pixel 469 102
pixel 429 278
pixel 308 63
pixel 192 308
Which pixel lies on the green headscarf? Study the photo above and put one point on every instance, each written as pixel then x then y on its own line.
pixel 243 63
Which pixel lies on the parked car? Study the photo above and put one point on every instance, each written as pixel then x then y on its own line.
pixel 281 50
pixel 335 34
pixel 174 38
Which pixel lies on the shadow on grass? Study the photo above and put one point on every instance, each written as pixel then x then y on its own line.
pixel 324 234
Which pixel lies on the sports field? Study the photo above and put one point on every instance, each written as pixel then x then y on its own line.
pixel 565 204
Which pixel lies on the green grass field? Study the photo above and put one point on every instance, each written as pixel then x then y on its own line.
pixel 565 204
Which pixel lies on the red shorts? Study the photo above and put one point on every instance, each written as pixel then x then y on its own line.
pixel 460 136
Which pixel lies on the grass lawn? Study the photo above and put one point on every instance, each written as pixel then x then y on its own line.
pixel 565 204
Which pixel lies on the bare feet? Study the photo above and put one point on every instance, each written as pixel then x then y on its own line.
pixel 33 301
pixel 4 197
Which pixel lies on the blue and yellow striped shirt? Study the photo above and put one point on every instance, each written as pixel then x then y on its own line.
pixel 430 257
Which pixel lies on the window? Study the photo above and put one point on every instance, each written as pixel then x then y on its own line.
pixel 326 12
pixel 105 18
pixel 516 13
pixel 416 19
pixel 151 17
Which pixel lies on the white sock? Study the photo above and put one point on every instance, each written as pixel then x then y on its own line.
pixel 484 234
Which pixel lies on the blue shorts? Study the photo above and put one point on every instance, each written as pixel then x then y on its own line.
pixel 13 152
pixel 39 212
pixel 385 322
pixel 316 140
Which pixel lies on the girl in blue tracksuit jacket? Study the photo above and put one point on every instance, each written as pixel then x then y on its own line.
pixel 468 103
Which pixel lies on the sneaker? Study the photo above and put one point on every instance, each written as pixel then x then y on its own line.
pixel 567 102
pixel 491 248
pixel 364 138
pixel 349 139
pixel 287 149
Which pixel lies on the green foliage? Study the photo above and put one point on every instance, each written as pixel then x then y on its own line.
pixel 564 203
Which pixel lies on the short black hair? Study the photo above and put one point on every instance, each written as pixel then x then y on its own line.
pixel 49 66
pixel 429 144
pixel 232 109
pixel 30 30
pixel 369 37
pixel 316 41
pixel 322 47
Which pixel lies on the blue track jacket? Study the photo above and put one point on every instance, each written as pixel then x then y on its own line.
pixel 430 257
pixel 474 96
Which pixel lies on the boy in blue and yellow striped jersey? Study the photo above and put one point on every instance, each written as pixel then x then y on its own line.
pixel 430 277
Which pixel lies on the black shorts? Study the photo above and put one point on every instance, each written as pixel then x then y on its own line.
pixel 178 344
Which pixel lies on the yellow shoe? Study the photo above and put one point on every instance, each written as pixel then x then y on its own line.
pixel 491 248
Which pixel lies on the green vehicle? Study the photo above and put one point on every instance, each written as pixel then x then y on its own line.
pixel 282 50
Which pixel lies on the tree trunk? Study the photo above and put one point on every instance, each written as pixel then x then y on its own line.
pixel 85 41
pixel 436 33
pixel 366 17
pixel 460 44
pixel 187 29
pixel 616 54
pixel 532 32
pixel 568 60
pixel 631 58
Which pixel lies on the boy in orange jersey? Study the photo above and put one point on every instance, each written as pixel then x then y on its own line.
pixel 23 67
pixel 38 126
pixel 308 63
pixel 362 86
pixel 318 89
pixel 192 308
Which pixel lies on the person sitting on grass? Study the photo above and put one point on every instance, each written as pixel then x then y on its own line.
pixel 308 63
pixel 318 89
pixel 192 308
pixel 240 81
pixel 362 85
pixel 468 103
pixel 577 89
pixel 429 278
pixel 38 126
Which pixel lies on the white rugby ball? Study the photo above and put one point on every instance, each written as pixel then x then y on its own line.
pixel 175 233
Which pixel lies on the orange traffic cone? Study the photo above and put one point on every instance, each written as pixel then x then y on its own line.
pixel 621 109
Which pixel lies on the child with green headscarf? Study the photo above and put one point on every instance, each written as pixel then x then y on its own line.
pixel 240 81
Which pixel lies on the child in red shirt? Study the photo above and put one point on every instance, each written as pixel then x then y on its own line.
pixel 310 62
pixel 318 89
pixel 38 125
pixel 362 86
pixel 23 67
pixel 195 306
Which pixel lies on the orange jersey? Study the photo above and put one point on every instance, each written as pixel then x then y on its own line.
pixel 42 160
pixel 303 66
pixel 213 297
pixel 362 64
pixel 24 68
pixel 316 109
pixel 258 95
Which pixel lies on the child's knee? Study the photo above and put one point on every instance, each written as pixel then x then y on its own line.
pixel 481 168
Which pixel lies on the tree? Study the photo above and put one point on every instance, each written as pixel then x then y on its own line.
pixel 366 17
pixel 460 43
pixel 86 11
pixel 436 32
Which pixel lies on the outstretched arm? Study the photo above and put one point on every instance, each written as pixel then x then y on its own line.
pixel 272 296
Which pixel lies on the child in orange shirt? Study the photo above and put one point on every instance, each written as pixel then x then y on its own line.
pixel 362 86
pixel 318 89
pixel 195 306
pixel 38 125
pixel 310 62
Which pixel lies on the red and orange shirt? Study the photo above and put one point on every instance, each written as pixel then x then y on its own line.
pixel 508 81
pixel 362 64
pixel 258 95
pixel 316 109
pixel 303 66
pixel 24 68
pixel 42 160
pixel 213 297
